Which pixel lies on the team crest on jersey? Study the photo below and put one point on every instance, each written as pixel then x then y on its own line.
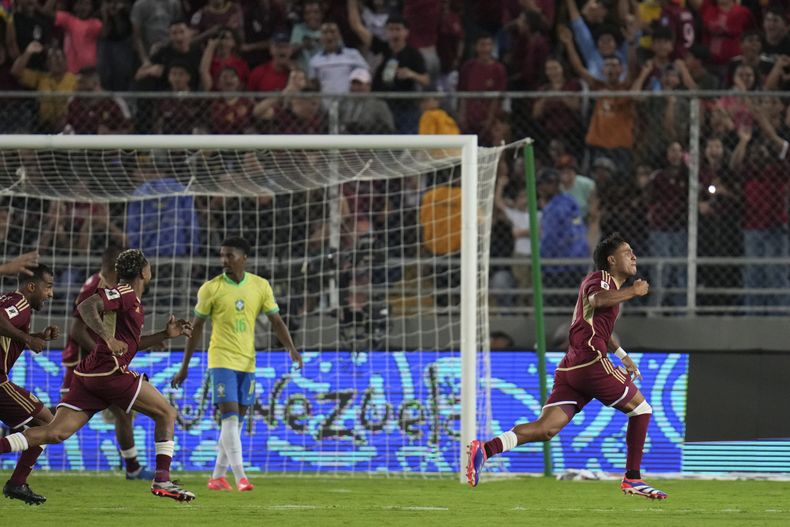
pixel 11 311
pixel 239 305
pixel 112 294
pixel 220 390
pixel 604 285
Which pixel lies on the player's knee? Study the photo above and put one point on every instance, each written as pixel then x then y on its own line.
pixel 641 409
pixel 547 433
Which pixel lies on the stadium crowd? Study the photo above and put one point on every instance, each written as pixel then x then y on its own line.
pixel 607 163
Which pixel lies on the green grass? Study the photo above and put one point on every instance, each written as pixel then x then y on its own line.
pixel 108 500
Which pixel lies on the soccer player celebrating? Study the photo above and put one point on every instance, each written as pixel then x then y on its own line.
pixel 18 407
pixel 586 371
pixel 233 301
pixel 103 378
pixel 81 341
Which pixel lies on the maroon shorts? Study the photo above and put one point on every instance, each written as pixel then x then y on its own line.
pixel 600 380
pixel 94 394
pixel 68 378
pixel 17 405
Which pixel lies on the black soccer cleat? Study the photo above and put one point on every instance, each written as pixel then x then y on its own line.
pixel 22 492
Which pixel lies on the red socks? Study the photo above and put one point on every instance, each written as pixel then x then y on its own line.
pixel 493 447
pixel 635 440
pixel 25 465
pixel 163 467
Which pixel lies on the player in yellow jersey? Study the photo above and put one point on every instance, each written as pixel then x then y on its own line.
pixel 233 301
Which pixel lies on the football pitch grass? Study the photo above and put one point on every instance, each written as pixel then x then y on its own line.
pixel 106 499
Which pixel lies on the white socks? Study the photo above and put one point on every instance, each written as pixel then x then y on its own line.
pixel 129 454
pixel 18 442
pixel 165 448
pixel 230 442
pixel 509 440
pixel 221 464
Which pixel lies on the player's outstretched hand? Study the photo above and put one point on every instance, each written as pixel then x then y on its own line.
pixel 117 347
pixel 20 264
pixel 179 378
pixel 36 343
pixel 641 287
pixel 296 357
pixel 631 368
pixel 176 328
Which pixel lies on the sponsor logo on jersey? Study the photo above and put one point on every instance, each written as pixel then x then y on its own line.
pixel 112 294
pixel 604 285
pixel 239 305
pixel 11 311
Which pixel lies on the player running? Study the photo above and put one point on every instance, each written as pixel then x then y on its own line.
pixel 18 407
pixel 233 301
pixel 80 343
pixel 103 379
pixel 586 371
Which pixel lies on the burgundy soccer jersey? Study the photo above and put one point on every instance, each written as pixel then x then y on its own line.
pixel 123 305
pixel 14 307
pixel 591 328
pixel 71 353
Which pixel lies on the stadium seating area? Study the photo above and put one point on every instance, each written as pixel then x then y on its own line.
pixel 281 66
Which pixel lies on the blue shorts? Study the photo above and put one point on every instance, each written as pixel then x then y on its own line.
pixel 232 386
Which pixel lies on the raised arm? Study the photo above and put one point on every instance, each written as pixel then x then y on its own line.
pixel 21 61
pixel 566 37
pixel 355 21
pixel 20 264
pixel 192 343
pixel 205 64
pixel 284 336
pixel 604 299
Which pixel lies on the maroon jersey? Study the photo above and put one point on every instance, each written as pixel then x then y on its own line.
pixel 71 353
pixel 123 310
pixel 14 307
pixel 591 328
pixel 681 22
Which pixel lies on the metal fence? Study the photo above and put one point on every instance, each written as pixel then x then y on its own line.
pixel 697 181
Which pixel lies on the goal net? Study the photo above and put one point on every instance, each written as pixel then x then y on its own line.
pixel 376 248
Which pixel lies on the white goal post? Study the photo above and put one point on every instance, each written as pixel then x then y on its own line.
pixel 470 211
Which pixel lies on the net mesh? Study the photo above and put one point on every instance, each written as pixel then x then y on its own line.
pixel 362 248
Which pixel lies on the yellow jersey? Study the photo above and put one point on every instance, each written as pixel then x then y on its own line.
pixel 233 308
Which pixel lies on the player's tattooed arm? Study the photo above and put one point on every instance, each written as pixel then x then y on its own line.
pixel 91 310
pixel 604 299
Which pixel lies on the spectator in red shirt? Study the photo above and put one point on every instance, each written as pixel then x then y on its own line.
pixel 81 33
pixel 449 47
pixel 181 115
pixel 667 221
pixel 762 162
pixel 481 74
pixel 231 114
pixel 273 75
pixel 96 115
pixel 529 50
pixel 422 19
pixel 220 53
pixel 559 117
pixel 724 22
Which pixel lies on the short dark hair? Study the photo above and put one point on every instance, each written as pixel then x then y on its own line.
pixel 662 32
pixel 609 29
pixel 130 263
pixel 699 52
pixel 605 249
pixel 613 56
pixel 38 271
pixel 397 20
pixel 239 243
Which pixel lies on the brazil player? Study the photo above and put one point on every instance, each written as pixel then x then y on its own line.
pixel 233 301
pixel 18 407
pixel 103 378
pixel 586 373
pixel 80 343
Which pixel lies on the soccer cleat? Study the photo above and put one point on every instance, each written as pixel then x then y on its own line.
pixel 244 485
pixel 141 473
pixel 169 489
pixel 22 492
pixel 219 484
pixel 477 458
pixel 637 487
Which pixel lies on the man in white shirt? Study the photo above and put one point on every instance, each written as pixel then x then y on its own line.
pixel 333 65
